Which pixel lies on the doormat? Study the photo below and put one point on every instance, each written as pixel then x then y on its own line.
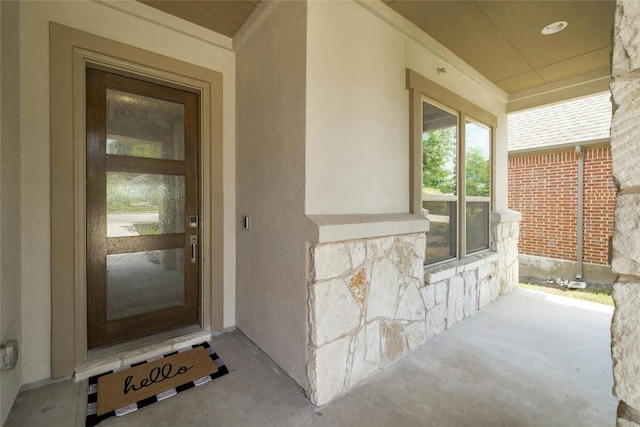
pixel 133 387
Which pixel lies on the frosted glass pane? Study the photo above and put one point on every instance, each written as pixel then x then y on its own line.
pixel 142 282
pixel 144 204
pixel 144 127
pixel 441 238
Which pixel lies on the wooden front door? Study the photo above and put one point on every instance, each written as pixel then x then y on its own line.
pixel 142 208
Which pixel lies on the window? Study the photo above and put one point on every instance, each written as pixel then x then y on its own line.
pixel 447 194
pixel 451 170
pixel 440 181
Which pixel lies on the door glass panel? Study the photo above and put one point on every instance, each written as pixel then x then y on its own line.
pixel 144 204
pixel 141 126
pixel 142 282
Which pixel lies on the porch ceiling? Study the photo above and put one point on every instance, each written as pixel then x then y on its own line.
pixel 222 16
pixel 503 39
pixel 500 39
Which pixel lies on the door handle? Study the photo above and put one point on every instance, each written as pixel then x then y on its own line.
pixel 194 249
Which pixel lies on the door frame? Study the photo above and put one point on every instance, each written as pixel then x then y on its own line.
pixel 70 52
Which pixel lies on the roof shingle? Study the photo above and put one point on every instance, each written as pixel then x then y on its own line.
pixel 580 120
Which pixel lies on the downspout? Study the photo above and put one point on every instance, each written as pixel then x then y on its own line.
pixel 580 227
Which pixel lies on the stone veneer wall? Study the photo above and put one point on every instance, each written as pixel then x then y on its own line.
pixel 371 301
pixel 625 152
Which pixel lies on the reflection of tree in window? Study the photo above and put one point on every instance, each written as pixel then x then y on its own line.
pixel 439 161
pixel 477 176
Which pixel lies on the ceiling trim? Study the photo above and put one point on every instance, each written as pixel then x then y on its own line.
pixel 574 87
pixel 413 32
pixel 170 22
pixel 255 20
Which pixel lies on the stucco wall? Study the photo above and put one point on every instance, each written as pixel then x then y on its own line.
pixel 357 113
pixel 271 264
pixel 119 22
pixel 358 107
pixel 10 322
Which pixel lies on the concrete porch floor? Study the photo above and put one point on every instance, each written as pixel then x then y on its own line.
pixel 525 360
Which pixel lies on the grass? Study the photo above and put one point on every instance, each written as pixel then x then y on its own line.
pixel 601 296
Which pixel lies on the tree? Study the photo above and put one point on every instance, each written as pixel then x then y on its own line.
pixel 439 161
pixel 477 173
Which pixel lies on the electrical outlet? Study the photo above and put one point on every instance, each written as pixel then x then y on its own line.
pixel 8 355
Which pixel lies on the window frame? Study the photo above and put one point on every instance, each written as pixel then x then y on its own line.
pixel 478 199
pixel 422 90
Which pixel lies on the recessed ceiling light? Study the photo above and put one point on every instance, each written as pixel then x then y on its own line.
pixel 554 28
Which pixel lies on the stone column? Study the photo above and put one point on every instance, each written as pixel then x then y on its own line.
pixel 505 229
pixel 625 151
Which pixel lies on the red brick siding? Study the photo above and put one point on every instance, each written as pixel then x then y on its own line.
pixel 543 187
pixel 599 203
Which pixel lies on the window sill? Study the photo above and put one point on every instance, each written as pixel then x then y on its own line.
pixel 438 272
pixel 505 215
pixel 336 228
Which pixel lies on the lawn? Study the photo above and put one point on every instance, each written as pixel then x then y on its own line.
pixel 601 296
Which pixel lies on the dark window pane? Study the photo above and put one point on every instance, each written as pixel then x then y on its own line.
pixel 477 223
pixel 442 236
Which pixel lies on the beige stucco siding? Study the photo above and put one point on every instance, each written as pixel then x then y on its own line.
pixel 357 145
pixel 10 320
pixel 271 271
pixel 357 113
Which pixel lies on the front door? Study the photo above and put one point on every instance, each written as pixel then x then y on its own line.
pixel 142 208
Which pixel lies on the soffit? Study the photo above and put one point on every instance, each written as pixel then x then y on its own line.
pixel 502 39
pixel 224 17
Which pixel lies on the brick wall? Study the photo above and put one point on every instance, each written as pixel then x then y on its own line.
pixel 543 187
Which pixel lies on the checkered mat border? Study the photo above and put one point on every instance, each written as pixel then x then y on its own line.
pixel 92 399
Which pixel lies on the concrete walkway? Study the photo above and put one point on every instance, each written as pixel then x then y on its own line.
pixel 526 360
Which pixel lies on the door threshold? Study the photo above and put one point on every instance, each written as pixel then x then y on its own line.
pixel 120 355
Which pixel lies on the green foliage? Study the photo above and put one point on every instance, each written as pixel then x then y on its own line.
pixel 124 148
pixel 439 165
pixel 601 296
pixel 127 192
pixel 439 161
pixel 133 193
pixel 477 173
pixel 146 228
